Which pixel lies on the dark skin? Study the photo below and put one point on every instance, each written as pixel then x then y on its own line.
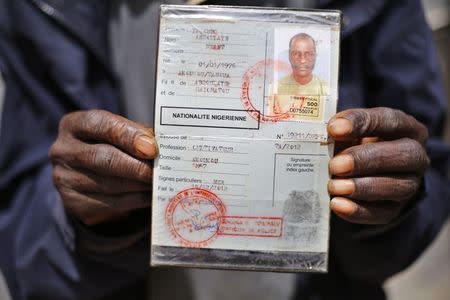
pixel 379 164
pixel 102 164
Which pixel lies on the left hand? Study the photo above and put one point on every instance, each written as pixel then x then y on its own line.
pixel 379 163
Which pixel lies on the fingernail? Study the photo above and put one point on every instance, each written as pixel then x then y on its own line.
pixel 146 146
pixel 341 164
pixel 340 127
pixel 343 206
pixel 341 187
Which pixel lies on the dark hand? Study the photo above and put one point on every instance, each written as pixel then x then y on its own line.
pixel 381 165
pixel 101 165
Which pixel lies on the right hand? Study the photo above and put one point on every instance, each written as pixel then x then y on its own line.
pixel 101 165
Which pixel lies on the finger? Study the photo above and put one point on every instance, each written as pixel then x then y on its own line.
pixel 369 213
pixel 392 188
pixel 340 146
pixel 123 202
pixel 105 127
pixel 369 140
pixel 86 181
pixel 399 156
pixel 383 122
pixel 102 159
pixel 94 208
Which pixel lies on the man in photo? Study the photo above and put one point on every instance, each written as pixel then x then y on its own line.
pixel 302 81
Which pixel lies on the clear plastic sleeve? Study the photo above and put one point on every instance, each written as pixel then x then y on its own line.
pixel 242 101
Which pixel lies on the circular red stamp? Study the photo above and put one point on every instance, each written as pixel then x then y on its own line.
pixel 253 91
pixel 193 217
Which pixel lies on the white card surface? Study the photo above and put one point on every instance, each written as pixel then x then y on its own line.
pixel 243 162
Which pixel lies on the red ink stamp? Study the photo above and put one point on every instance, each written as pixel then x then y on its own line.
pixel 193 217
pixel 251 226
pixel 252 91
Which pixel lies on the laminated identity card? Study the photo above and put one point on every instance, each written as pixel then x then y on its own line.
pixel 242 102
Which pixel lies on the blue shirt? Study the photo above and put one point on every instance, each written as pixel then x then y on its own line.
pixel 54 57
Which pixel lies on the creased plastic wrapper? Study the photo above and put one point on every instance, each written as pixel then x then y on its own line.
pixel 242 102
